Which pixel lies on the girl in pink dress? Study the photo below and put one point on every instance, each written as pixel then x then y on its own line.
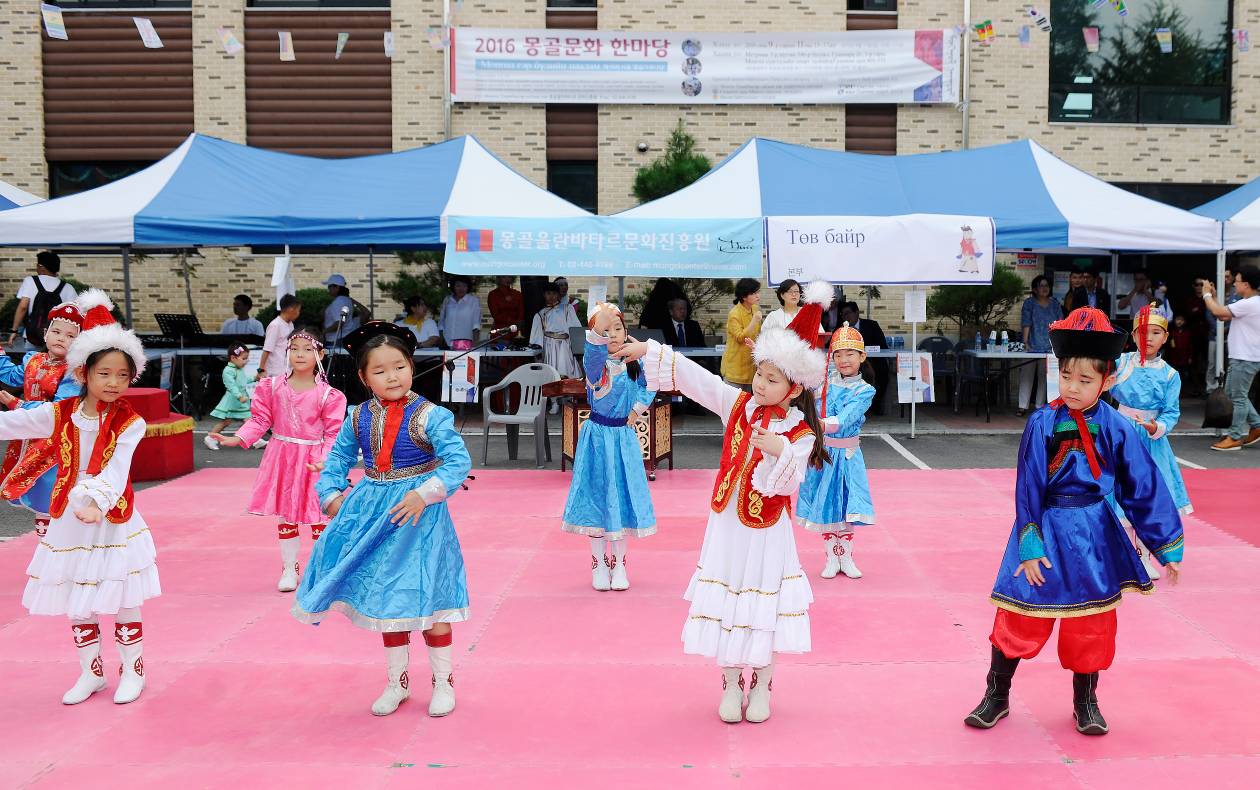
pixel 304 414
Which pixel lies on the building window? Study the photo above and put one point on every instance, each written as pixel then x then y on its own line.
pixel 872 5
pixel 562 4
pixel 319 3
pixel 68 178
pixel 575 182
pixel 106 5
pixel 1128 79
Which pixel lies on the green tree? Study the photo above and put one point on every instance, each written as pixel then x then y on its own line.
pixel 678 167
pixel 972 308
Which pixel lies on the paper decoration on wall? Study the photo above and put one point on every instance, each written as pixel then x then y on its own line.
pixel 984 31
pixel 286 46
pixel 1025 35
pixel 436 38
pixel 1043 22
pixel 1119 8
pixel 342 38
pixel 1091 38
pixel 1242 39
pixel 147 34
pixel 54 24
pixel 228 39
pixel 1164 36
pixel 1098 3
pixel 389 44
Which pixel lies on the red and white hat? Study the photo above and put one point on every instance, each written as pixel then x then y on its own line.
pixel 794 350
pixel 101 332
pixel 68 312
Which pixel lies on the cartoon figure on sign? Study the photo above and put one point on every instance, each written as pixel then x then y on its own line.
pixel 967 255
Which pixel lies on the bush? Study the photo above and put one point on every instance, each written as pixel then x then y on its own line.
pixel 972 308
pixel 314 302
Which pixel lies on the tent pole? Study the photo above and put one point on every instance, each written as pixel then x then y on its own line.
pixel 914 373
pixel 126 267
pixel 621 292
pixel 371 282
pixel 1115 275
pixel 446 70
pixel 1220 325
pixel 966 76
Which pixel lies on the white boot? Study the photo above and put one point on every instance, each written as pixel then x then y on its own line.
pixel 601 575
pixel 731 709
pixel 87 641
pixel 832 568
pixel 130 639
pixel 617 558
pixel 443 700
pixel 759 694
pixel 844 552
pixel 399 687
pixel 289 548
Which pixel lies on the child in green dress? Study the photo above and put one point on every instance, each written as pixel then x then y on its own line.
pixel 235 402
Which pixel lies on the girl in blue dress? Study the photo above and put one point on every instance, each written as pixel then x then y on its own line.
pixel 1068 558
pixel 608 498
pixel 390 560
pixel 837 496
pixel 1148 393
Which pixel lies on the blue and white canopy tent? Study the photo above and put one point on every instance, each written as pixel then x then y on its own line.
pixel 209 192
pixel 12 197
pixel 1239 213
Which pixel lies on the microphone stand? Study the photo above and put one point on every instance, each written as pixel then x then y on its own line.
pixel 341 323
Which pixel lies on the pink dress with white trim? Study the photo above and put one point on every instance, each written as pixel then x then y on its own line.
pixel 303 426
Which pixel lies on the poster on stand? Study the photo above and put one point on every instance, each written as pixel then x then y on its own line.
pixel 459 377
pixel 640 67
pixel 1052 380
pixel 938 249
pixel 920 389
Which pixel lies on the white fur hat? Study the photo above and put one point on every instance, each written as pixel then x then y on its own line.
pixel 101 332
pixel 794 349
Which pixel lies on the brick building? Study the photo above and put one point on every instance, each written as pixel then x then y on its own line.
pixel 80 112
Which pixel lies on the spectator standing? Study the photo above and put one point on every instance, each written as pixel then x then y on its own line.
pixel 872 335
pixel 37 296
pixel 1038 312
pixel 460 321
pixel 743 324
pixel 1095 295
pixel 1139 296
pixel 243 323
pixel 341 307
pixel 418 321
pixel 1244 354
pixel 507 305
pixel 1213 376
pixel 789 295
pixel 275 355
pixel 1075 296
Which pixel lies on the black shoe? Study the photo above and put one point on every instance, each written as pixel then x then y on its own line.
pixel 996 703
pixel 1089 719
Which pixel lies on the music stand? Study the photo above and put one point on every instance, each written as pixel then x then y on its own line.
pixel 181 326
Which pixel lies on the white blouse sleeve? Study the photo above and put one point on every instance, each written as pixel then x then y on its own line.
pixel 106 488
pixel 36 423
pixel 783 475
pixel 667 371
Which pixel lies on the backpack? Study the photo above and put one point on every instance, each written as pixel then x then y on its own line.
pixel 37 316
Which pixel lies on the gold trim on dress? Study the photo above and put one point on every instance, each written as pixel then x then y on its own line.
pixel 1081 609
pixel 93 547
pixel 365 622
pixel 402 473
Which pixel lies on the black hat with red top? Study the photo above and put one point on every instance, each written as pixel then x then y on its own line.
pixel 1087 333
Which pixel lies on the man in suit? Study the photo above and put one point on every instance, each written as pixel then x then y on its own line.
pixel 872 335
pixel 1095 295
pixel 680 331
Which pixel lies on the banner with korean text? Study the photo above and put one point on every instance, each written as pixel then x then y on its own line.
pixel 604 247
pixel 612 67
pixel 935 249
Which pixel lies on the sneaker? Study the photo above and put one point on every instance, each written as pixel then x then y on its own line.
pixel 1252 437
pixel 210 442
pixel 1228 445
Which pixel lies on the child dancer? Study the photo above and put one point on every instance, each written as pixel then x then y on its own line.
pixel 234 405
pixel 838 496
pixel 98 556
pixel 390 560
pixel 749 597
pixel 609 496
pixel 1067 543
pixel 1148 392
pixel 43 377
pixel 304 414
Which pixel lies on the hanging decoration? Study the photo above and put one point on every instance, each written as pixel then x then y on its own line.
pixel 342 38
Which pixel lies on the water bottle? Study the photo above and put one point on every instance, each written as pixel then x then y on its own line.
pixel 1006 341
pixel 993 338
pixel 978 341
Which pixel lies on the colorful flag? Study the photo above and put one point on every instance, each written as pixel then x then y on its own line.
pixel 1164 36
pixel 147 34
pixel 1025 35
pixel 286 46
pixel 54 24
pixel 389 44
pixel 228 39
pixel 1119 8
pixel 474 240
pixel 984 31
pixel 1043 23
pixel 1243 39
pixel 342 38
pixel 1091 38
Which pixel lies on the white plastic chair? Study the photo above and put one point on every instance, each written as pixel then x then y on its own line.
pixel 533 409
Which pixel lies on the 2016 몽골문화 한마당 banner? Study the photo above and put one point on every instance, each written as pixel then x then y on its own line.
pixel 612 67
pixel 940 249
pixel 604 246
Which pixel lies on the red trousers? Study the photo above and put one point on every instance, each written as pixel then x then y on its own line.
pixel 1086 644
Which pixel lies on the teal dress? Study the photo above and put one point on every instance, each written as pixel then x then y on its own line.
pixel 235 384
pixel 384 577
pixel 839 494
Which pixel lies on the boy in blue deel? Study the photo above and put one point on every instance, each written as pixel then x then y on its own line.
pixel 1068 557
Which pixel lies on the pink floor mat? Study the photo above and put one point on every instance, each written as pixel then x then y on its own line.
pixel 563 686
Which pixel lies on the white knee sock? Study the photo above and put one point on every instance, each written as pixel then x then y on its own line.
pixel 597 548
